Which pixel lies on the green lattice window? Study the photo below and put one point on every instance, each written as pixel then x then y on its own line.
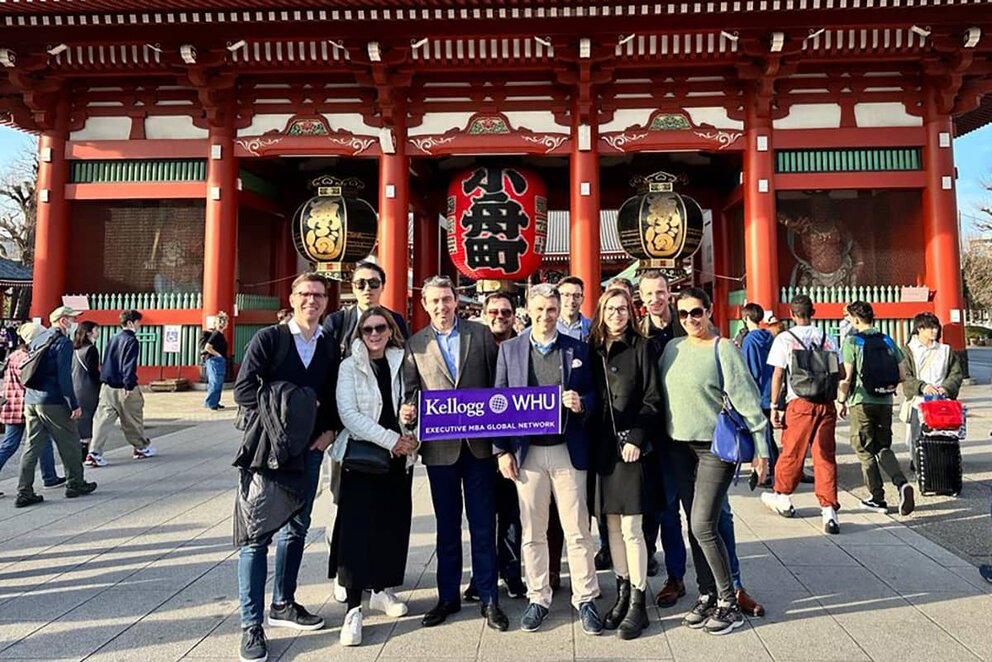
pixel 137 170
pixel 868 159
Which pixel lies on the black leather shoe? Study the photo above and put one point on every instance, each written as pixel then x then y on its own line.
pixel 495 618
pixel 439 614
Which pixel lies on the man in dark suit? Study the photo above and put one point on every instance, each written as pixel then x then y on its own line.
pixel 367 282
pixel 450 354
pixel 543 464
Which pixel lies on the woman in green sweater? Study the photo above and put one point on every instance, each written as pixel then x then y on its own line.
pixel 692 401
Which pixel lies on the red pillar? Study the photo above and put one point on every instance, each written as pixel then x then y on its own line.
pixel 220 236
pixel 940 219
pixel 51 239
pixel 394 205
pixel 721 268
pixel 584 257
pixel 760 222
pixel 426 254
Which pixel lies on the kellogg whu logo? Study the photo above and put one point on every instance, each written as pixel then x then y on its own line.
pixel 482 413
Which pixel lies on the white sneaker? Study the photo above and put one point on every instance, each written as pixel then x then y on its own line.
pixel 830 524
pixel 140 453
pixel 95 460
pixel 340 592
pixel 351 630
pixel 387 602
pixel 778 503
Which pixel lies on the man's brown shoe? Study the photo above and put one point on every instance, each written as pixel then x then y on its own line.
pixel 670 593
pixel 749 605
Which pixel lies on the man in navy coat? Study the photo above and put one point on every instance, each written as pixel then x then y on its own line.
pixel 543 465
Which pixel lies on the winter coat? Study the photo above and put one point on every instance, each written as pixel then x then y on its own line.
pixel 360 402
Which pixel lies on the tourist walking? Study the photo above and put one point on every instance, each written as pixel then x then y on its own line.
pixel 626 383
pixel 806 356
pixel 696 371
pixel 120 396
pixel 12 408
pixel 86 377
pixel 286 383
pixel 451 353
pixel 873 369
pixel 51 411
pixel 546 465
pixel 932 370
pixel 215 361
pixel 374 510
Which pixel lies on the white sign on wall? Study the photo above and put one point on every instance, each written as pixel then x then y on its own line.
pixel 171 338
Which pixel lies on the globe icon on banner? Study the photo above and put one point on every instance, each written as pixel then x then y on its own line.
pixel 498 404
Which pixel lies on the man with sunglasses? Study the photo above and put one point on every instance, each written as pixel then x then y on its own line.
pixel 367 282
pixel 497 313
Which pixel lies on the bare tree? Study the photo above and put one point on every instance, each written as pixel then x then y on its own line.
pixel 977 267
pixel 18 204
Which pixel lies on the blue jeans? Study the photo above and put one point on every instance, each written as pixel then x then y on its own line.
pixel 216 367
pixel 12 436
pixel 290 540
pixel 670 523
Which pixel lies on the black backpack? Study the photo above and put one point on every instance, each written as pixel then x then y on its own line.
pixel 879 370
pixel 30 375
pixel 814 372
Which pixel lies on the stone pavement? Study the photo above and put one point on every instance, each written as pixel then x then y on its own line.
pixel 143 570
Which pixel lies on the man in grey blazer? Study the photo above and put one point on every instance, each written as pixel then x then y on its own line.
pixel 450 354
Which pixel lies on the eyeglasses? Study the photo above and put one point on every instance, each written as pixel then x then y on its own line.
pixel 695 313
pixel 363 283
pixel 616 310
pixel 307 295
pixel 377 329
pixel 502 312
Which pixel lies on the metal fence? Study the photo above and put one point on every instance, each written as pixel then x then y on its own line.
pixel 150 344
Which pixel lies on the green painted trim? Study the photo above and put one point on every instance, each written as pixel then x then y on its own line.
pixel 854 159
pixel 252 182
pixel 150 346
pixel 243 333
pixel 145 300
pixel 137 170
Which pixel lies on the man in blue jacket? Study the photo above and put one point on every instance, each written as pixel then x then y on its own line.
pixel 120 395
pixel 51 409
pixel 540 465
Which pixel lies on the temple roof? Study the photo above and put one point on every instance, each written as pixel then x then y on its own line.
pixel 12 273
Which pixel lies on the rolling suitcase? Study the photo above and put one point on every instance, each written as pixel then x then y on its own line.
pixel 938 464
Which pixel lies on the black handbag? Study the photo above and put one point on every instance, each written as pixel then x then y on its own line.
pixel 366 457
pixel 622 436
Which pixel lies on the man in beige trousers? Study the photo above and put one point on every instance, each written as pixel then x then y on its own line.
pixel 120 395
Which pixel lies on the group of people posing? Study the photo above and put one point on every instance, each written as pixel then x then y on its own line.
pixel 640 398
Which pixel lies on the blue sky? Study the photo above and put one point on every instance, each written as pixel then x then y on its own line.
pixel 973 155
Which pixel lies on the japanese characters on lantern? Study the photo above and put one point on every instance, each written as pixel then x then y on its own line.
pixel 335 229
pixel 497 222
pixel 659 226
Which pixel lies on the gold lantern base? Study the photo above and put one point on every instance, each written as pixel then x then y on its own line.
pixel 645 265
pixel 334 270
pixel 488 286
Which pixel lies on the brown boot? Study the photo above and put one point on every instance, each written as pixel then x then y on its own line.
pixel 670 594
pixel 749 605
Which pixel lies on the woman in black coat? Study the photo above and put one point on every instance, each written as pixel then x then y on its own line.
pixel 626 474
pixel 86 377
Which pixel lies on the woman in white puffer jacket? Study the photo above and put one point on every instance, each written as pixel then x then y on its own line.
pixel 372 528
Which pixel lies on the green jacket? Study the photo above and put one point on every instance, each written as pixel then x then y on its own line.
pixel 913 387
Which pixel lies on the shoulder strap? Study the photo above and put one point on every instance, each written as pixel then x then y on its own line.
pixel 798 339
pixel 284 344
pixel 719 368
pixel 609 394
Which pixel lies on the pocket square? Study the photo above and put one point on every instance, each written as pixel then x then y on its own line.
pixel 576 363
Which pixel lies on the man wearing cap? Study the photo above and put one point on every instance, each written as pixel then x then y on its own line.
pixel 50 408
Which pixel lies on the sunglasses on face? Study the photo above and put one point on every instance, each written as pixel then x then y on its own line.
pixel 377 329
pixel 363 283
pixel 505 313
pixel 695 313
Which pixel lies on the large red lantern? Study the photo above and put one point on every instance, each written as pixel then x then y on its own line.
pixel 497 222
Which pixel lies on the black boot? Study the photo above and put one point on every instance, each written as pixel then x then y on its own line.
pixel 636 620
pixel 616 615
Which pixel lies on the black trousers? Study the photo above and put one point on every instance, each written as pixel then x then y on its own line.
pixel 703 480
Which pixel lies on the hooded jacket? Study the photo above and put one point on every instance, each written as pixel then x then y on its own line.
pixel 757 343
